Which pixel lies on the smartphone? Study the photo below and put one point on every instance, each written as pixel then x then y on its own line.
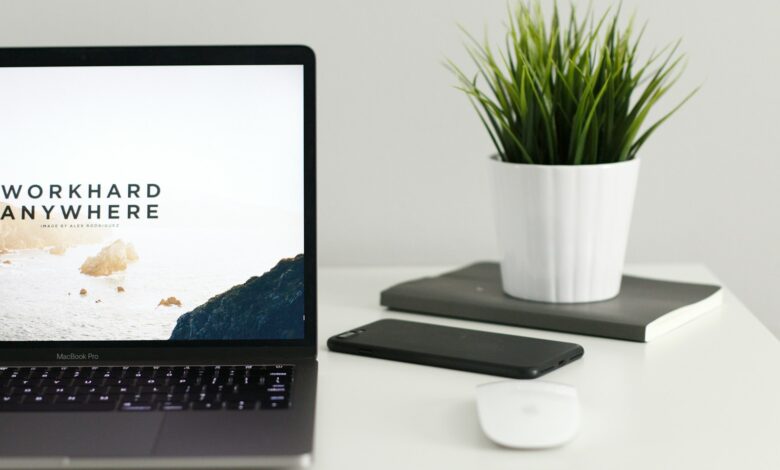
pixel 518 357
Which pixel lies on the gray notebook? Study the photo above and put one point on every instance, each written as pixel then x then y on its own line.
pixel 644 309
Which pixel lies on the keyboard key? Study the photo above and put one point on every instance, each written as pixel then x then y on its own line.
pixel 279 378
pixel 242 396
pixel 174 406
pixel 207 405
pixel 137 406
pixel 27 399
pixel 142 398
pixel 177 397
pixel 274 405
pixel 103 399
pixel 256 389
pixel 73 399
pixel 241 405
pixel 150 389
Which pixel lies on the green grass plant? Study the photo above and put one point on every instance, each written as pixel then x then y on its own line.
pixel 568 93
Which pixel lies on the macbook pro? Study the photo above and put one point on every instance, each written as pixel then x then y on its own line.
pixel 157 257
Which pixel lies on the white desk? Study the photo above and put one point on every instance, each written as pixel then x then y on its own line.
pixel 704 396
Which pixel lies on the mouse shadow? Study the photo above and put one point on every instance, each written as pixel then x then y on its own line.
pixel 463 416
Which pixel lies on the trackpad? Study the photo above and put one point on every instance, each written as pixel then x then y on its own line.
pixel 79 434
pixel 214 433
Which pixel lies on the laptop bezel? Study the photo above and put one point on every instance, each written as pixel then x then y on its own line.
pixel 187 351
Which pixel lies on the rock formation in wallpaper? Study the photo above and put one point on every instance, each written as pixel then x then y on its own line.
pixel 170 302
pixel 21 234
pixel 113 258
pixel 265 307
pixel 58 250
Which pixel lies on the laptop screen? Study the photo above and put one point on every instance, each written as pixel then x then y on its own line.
pixel 151 203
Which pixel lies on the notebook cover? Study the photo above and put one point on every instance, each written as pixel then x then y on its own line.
pixel 474 293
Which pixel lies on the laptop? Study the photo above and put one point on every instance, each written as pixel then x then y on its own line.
pixel 157 257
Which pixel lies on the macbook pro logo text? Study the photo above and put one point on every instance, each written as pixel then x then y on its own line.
pixel 77 356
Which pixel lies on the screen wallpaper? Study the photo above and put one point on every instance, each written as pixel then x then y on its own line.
pixel 151 203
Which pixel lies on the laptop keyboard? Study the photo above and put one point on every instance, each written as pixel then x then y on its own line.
pixel 140 389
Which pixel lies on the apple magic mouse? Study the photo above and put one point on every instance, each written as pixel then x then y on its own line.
pixel 526 414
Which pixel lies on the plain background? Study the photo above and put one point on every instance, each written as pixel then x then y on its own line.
pixel 402 156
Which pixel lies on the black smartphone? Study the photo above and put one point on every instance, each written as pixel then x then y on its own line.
pixel 518 357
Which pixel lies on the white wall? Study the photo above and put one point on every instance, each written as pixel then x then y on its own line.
pixel 402 156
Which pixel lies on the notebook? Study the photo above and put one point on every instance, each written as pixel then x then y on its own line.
pixel 644 310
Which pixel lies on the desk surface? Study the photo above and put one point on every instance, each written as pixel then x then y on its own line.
pixel 704 396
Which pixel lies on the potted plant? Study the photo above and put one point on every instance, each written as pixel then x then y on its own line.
pixel 565 105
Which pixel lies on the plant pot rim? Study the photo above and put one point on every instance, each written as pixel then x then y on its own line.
pixel 494 158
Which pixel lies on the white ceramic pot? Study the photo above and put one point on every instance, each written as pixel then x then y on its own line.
pixel 563 229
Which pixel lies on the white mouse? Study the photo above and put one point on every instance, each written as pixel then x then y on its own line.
pixel 528 414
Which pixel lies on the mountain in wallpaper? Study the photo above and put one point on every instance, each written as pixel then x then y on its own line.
pixel 265 307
